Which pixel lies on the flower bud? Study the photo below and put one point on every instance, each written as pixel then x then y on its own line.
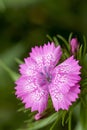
pixel 74 45
pixel 37 116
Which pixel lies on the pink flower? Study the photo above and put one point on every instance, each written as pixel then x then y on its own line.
pixel 74 45
pixel 41 79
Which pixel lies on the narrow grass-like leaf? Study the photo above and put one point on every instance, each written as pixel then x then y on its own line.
pixel 63 117
pixel 70 37
pixel 69 121
pixel 56 122
pixel 84 46
pixel 79 54
pixel 18 61
pixel 65 42
pixel 43 122
pixel 11 73
pixel 48 36
pixel 83 115
pixel 84 63
pixel 78 126
pixel 10 54
pixel 56 41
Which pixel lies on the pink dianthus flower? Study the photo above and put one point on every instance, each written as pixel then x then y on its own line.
pixel 41 78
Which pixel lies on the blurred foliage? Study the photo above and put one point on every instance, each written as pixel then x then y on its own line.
pixel 23 24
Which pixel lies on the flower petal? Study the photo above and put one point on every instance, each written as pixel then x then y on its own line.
pixel 37 100
pixel 66 75
pixel 63 101
pixel 25 85
pixel 52 54
pixel 31 93
pixel 29 68
pixel 69 66
pixel 46 56
pixel 37 56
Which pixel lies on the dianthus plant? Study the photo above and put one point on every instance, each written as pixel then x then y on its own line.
pixel 44 77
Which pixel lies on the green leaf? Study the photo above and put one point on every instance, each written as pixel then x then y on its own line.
pixel 10 54
pixel 54 126
pixel 83 114
pixel 84 59
pixel 43 122
pixel 65 42
pixel 84 81
pixel 78 126
pixel 70 37
pixel 18 61
pixel 7 59
pixel 84 46
pixel 79 54
pixel 69 120
pixel 63 117
pixel 49 37
pixel 56 41
pixel 11 73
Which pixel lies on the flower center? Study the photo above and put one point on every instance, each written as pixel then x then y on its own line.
pixel 44 78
